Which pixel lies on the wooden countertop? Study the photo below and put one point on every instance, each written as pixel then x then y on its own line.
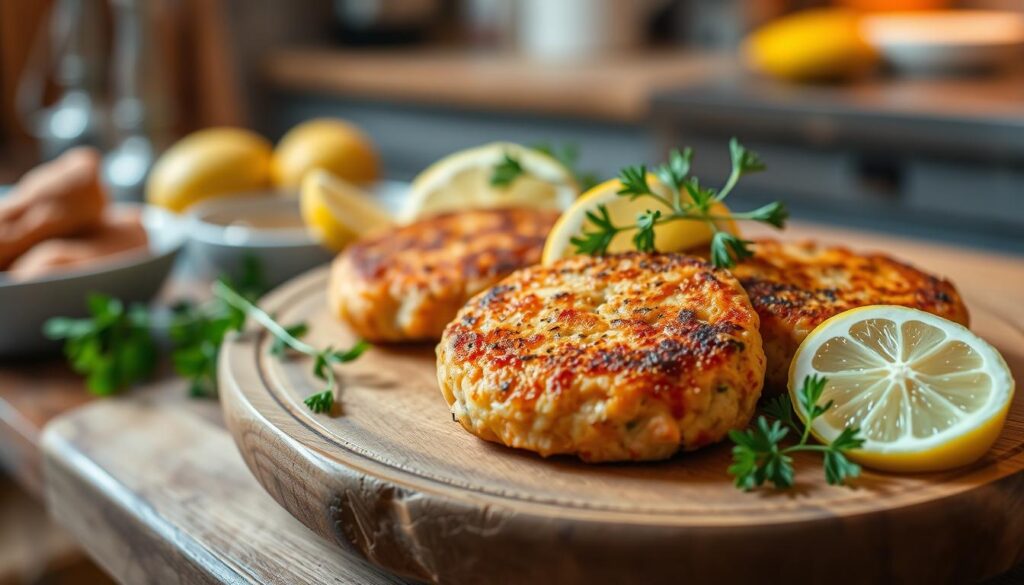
pixel 152 486
pixel 614 89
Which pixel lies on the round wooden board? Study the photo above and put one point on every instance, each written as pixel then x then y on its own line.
pixel 391 476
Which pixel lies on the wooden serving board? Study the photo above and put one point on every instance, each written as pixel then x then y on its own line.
pixel 390 476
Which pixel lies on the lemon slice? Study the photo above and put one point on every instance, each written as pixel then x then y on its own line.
pixel 926 393
pixel 463 181
pixel 337 212
pixel 676 236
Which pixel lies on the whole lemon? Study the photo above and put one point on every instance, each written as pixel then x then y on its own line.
pixel 209 163
pixel 331 144
pixel 811 45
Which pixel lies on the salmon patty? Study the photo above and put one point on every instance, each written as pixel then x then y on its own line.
pixel 626 357
pixel 796 286
pixel 408 283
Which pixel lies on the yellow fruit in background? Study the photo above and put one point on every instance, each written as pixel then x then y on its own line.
pixel 209 163
pixel 329 144
pixel 811 45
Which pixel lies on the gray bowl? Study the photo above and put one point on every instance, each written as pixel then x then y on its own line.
pixel 218 246
pixel 26 305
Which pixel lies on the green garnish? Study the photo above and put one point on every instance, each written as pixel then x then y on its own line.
pixel 112 348
pixel 507 171
pixel 758 455
pixel 726 248
pixel 324 360
pixel 197 330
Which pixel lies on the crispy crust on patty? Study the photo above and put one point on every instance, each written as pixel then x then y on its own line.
pixel 628 357
pixel 408 283
pixel 796 286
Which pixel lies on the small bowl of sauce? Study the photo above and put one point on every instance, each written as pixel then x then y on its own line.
pixel 228 233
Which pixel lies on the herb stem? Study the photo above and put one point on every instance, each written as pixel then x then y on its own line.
pixel 682 215
pixel 241 303
pixel 734 178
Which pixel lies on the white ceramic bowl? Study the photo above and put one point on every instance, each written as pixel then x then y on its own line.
pixel 947 40
pixel 131 277
pixel 219 244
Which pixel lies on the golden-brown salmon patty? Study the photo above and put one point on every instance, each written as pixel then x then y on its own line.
pixel 627 357
pixel 796 286
pixel 408 283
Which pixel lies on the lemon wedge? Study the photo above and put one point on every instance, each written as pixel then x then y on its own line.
pixel 463 180
pixel 926 393
pixel 337 212
pixel 675 236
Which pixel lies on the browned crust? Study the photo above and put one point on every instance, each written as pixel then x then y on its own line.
pixel 656 329
pixel 796 286
pixel 406 284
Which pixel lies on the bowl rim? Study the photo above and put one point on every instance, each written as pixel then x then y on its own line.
pixel 152 217
pixel 206 232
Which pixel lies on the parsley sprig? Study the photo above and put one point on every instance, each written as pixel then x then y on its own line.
pixel 700 205
pixel 197 330
pixel 759 454
pixel 506 171
pixel 114 347
pixel 285 339
pixel 509 168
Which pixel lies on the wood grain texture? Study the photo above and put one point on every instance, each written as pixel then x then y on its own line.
pixel 616 89
pixel 31 394
pixel 154 490
pixel 390 476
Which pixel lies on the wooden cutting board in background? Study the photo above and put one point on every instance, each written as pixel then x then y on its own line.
pixel 392 477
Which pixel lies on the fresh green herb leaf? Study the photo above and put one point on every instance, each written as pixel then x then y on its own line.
pixel 702 197
pixel 700 205
pixel 727 250
pixel 320 402
pixel 780 408
pixel 112 348
pixel 634 182
pixel 324 360
pixel 774 214
pixel 675 171
pixel 838 468
pixel 352 353
pixel 596 242
pixel 644 237
pixel 746 161
pixel 759 455
pixel 506 172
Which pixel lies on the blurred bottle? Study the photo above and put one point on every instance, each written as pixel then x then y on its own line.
pixel 141 117
pixel 67 53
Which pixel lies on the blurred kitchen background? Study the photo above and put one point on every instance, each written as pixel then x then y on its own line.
pixel 910 124
pixel 904 116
